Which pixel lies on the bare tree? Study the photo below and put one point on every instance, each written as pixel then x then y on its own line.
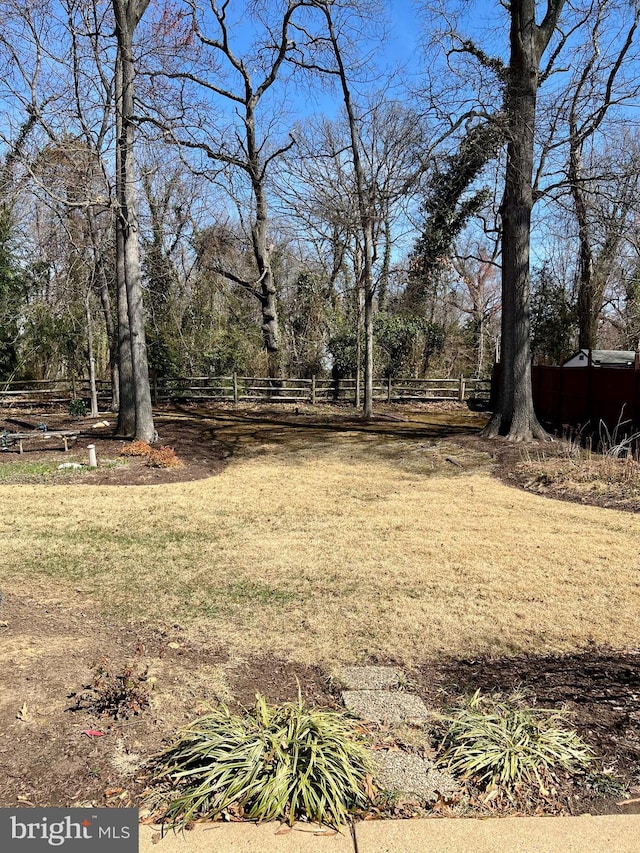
pixel 60 74
pixel 319 187
pixel 376 182
pixel 479 299
pixel 135 416
pixel 593 94
pixel 211 71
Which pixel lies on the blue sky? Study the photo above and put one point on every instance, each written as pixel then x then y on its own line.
pixel 405 29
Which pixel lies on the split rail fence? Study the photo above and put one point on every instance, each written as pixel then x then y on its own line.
pixel 253 389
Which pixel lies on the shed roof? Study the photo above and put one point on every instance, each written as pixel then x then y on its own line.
pixel 602 357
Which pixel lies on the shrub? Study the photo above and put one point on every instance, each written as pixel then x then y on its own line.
pixel 116 694
pixel 78 408
pixel 500 741
pixel 163 457
pixel 278 762
pixel 136 448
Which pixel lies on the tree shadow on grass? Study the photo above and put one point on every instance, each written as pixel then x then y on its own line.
pixel 243 432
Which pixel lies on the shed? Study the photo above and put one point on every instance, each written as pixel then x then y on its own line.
pixel 602 358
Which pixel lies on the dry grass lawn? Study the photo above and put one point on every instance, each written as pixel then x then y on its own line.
pixel 334 557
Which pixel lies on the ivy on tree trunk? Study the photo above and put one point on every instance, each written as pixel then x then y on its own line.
pixel 514 415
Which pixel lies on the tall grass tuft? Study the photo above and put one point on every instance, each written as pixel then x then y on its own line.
pixel 500 741
pixel 281 762
pixel 619 442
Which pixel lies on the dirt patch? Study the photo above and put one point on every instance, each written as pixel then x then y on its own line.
pixel 206 437
pixel 552 470
pixel 47 652
pixel 201 455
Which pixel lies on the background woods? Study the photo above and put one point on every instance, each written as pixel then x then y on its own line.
pixel 302 189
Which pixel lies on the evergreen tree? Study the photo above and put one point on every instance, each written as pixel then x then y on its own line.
pixel 552 319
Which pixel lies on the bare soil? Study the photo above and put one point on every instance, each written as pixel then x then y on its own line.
pixel 50 753
pixel 192 440
pixel 600 689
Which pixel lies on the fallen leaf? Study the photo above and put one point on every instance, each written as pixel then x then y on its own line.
pixel 284 829
pixel 441 808
pixel 92 733
pixel 369 788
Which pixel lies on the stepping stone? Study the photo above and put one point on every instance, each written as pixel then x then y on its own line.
pixel 370 677
pixel 407 774
pixel 379 705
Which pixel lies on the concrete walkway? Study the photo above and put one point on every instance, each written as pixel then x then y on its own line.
pixel 609 834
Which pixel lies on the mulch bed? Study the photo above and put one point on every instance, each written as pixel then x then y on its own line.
pixel 192 440
pixel 599 687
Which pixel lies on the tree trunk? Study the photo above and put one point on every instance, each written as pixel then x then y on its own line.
pixel 126 397
pixel 127 18
pixel 91 358
pixel 365 216
pixel 105 302
pixel 587 322
pixel 369 295
pixel 386 265
pixel 358 389
pixel 367 409
pixel 514 415
pixel 260 238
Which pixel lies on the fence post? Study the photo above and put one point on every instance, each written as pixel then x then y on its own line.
pixel 235 387
pixel 461 389
pixel 389 389
pixel 313 390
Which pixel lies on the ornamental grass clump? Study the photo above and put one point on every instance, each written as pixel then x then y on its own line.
pixel 501 742
pixel 283 762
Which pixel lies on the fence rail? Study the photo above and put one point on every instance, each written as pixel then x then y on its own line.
pixel 252 389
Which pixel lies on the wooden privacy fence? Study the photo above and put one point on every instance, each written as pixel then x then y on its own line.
pixel 578 396
pixel 253 389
